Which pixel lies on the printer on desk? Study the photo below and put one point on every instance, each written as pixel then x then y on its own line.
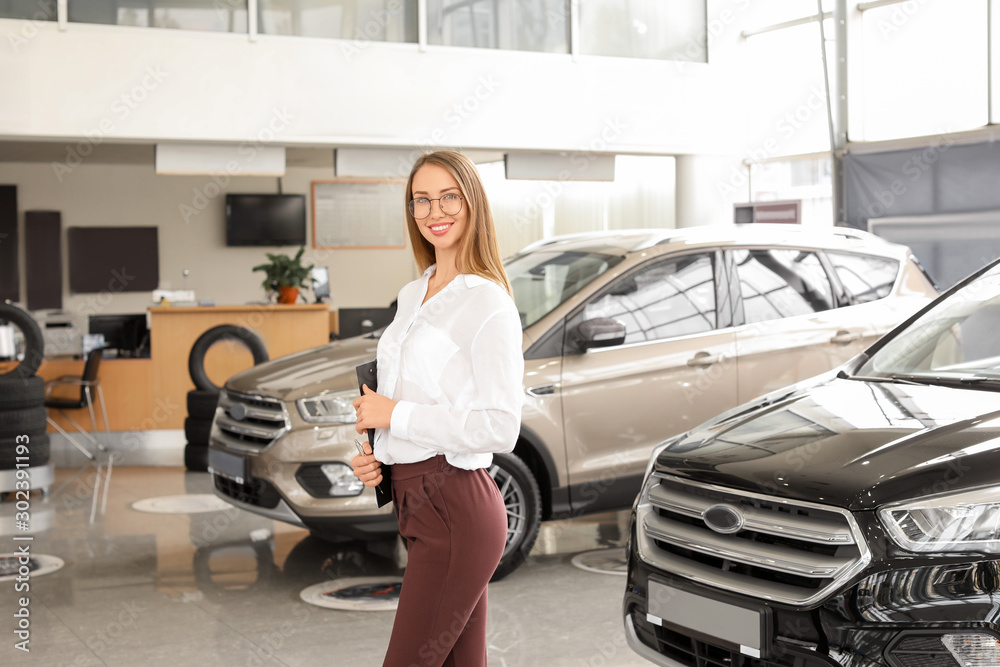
pixel 62 333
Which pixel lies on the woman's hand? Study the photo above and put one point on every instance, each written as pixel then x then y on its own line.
pixel 372 410
pixel 367 468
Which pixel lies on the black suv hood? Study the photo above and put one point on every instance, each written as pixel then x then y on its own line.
pixel 849 443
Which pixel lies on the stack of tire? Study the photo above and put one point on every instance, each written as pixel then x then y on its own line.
pixel 22 396
pixel 203 399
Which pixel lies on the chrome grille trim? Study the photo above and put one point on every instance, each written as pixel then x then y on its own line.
pixel 787 525
pixel 792 533
pixel 266 420
pixel 782 559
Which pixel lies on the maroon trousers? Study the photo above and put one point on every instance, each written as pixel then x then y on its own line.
pixel 455 526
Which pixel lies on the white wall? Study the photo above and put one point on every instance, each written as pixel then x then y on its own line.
pixel 132 195
pixel 119 83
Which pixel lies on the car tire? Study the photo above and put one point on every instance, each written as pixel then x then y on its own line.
pixel 197 431
pixel 38 452
pixel 34 343
pixel 524 510
pixel 196 360
pixel 17 393
pixel 196 457
pixel 201 404
pixel 22 421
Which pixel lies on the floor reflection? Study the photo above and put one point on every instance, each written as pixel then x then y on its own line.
pixel 229 582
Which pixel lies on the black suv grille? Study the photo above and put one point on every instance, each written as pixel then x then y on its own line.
pixel 780 550
pixel 693 653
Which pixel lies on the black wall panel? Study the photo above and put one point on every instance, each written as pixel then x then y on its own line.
pixel 43 258
pixel 116 259
pixel 10 284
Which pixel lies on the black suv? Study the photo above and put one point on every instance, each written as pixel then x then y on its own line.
pixel 852 519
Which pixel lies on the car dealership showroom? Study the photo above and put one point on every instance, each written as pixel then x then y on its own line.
pixel 261 389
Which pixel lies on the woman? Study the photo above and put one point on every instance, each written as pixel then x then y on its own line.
pixel 450 375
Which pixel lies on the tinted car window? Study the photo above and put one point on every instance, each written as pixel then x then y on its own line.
pixel 670 298
pixel 865 278
pixel 543 280
pixel 781 283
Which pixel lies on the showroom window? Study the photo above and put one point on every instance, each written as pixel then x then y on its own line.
pixel 378 20
pixel 641 196
pixel 34 10
pixel 668 299
pixel 643 29
pixel 209 15
pixel 787 102
pixel 781 283
pixel 517 25
pixel 807 179
pixel 865 278
pixel 925 69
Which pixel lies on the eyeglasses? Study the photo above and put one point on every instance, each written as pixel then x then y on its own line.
pixel 451 204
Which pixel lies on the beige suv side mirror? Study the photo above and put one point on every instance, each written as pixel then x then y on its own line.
pixel 600 332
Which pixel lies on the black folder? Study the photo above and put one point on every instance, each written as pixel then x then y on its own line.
pixel 367 375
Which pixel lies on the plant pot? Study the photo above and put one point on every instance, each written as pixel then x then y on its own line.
pixel 288 295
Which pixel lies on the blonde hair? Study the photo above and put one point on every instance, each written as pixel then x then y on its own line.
pixel 479 250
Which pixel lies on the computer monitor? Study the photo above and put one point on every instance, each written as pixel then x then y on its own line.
pixel 320 282
pixel 127 334
pixel 358 321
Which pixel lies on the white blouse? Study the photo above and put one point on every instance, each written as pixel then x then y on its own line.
pixel 455 368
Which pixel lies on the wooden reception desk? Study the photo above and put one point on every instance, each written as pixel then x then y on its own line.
pixel 148 394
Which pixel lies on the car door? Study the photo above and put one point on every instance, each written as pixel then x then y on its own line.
pixel 791 327
pixel 674 370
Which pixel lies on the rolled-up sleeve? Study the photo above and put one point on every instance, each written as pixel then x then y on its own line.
pixel 490 421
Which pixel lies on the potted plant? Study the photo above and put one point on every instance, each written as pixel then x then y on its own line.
pixel 285 275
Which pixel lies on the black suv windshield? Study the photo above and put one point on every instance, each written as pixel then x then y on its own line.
pixel 543 280
pixel 957 341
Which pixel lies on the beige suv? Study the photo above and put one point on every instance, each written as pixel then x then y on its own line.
pixel 630 337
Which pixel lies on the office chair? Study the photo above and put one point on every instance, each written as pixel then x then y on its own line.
pixel 87 382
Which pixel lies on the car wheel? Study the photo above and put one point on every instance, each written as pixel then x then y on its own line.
pixel 17 393
pixel 34 343
pixel 196 360
pixel 523 501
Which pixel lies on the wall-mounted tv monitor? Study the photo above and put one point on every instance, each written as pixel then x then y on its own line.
pixel 265 219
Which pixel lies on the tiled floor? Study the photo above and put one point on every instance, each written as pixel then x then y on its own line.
pixel 222 587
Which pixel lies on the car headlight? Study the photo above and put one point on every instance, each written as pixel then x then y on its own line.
pixel 337 407
pixel 967 521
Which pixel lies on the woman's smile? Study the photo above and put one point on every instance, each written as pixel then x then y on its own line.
pixel 441 228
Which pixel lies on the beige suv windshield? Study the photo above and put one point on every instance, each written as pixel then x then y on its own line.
pixel 543 280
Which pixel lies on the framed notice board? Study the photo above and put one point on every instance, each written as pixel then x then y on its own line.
pixel 357 213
